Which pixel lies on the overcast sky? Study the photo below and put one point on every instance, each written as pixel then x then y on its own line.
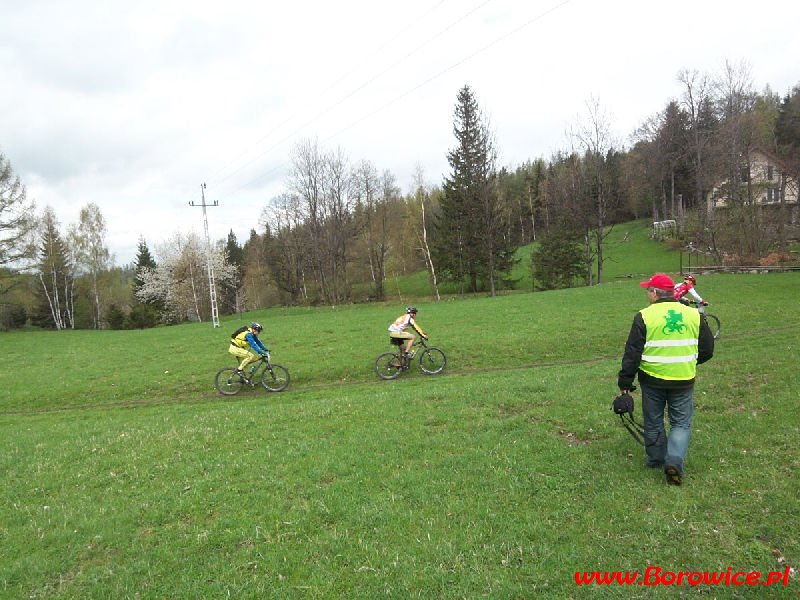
pixel 132 105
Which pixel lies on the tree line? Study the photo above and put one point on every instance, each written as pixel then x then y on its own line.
pixel 341 230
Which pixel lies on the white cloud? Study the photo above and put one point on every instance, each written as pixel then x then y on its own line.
pixel 133 105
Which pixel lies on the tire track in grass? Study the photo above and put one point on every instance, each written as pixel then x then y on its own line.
pixel 333 385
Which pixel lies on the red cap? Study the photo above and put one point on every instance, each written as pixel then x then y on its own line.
pixel 660 282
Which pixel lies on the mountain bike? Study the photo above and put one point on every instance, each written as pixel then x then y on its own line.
pixel 712 320
pixel 273 377
pixel 390 365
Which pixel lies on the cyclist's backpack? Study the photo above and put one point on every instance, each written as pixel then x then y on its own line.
pixel 238 331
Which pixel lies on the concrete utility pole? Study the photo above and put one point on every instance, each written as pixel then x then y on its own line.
pixel 211 287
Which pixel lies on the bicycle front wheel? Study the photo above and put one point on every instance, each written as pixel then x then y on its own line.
pixel 432 361
pixel 275 378
pixel 228 382
pixel 387 366
pixel 713 324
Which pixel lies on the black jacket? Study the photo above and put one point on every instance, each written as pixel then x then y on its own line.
pixel 633 356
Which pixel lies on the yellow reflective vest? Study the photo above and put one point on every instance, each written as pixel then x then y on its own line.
pixel 240 340
pixel 670 349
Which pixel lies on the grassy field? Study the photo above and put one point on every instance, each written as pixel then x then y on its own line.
pixel 126 476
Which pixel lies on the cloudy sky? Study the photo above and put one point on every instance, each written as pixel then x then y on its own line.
pixel 132 105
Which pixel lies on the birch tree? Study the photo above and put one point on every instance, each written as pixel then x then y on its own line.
pixel 420 225
pixel 55 272
pixel 92 256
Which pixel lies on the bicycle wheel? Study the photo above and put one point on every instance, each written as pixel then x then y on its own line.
pixel 432 361
pixel 387 365
pixel 275 378
pixel 228 382
pixel 713 323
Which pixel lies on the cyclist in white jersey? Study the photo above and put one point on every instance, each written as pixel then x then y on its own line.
pixel 399 329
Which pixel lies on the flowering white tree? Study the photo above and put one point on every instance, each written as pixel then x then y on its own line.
pixel 180 278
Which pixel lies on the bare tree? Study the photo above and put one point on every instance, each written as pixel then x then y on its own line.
pixel 287 250
pixel 742 226
pixel 422 196
pixel 593 135
pixel 337 223
pixel 697 102
pixel 306 180
pixel 373 196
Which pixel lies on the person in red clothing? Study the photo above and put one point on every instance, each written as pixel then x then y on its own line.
pixel 687 287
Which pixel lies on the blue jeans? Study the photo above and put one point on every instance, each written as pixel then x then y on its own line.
pixel 661 448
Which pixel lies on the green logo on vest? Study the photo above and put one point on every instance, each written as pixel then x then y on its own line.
pixel 674 323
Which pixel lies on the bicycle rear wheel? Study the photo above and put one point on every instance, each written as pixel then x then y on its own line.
pixel 275 378
pixel 228 382
pixel 387 366
pixel 713 323
pixel 432 361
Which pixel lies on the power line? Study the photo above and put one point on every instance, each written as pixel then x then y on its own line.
pixel 340 79
pixel 408 92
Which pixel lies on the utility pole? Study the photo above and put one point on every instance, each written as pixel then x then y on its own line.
pixel 211 287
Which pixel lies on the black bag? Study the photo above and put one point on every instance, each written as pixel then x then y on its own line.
pixel 238 331
pixel 623 406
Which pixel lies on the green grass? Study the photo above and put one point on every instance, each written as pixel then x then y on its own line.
pixel 127 476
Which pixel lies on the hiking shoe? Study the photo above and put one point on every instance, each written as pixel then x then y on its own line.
pixel 654 465
pixel 673 475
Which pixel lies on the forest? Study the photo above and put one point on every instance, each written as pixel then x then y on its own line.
pixel 342 229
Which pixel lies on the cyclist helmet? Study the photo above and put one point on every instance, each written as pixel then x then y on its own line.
pixel 256 327
pixel 690 279
pixel 411 310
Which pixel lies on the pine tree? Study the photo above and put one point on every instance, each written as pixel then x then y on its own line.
pixel 229 290
pixel 470 244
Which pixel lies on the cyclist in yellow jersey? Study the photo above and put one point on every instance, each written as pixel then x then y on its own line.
pixel 246 346
pixel 399 329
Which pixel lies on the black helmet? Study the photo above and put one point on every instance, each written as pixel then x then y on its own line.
pixel 256 327
pixel 690 278
pixel 411 310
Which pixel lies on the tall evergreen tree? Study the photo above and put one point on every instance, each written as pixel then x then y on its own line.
pixel 229 290
pixel 470 244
